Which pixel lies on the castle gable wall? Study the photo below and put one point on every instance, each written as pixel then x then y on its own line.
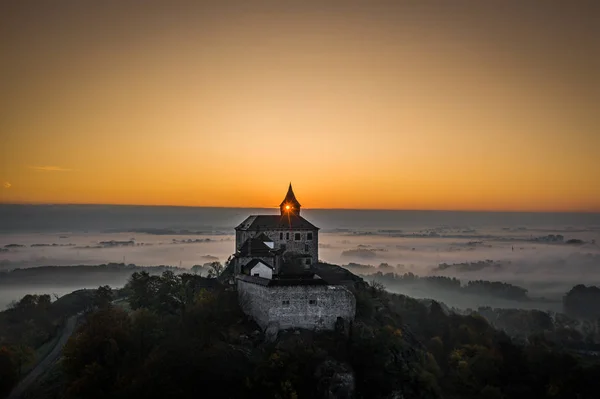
pixel 262 270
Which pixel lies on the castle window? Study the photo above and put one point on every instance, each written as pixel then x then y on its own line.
pixel 287 236
pixel 306 249
pixel 307 261
pixel 281 236
pixel 312 302
pixel 256 275
pixel 287 302
pixel 297 237
pixel 309 236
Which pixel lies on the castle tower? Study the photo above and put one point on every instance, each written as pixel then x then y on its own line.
pixel 270 237
pixel 290 204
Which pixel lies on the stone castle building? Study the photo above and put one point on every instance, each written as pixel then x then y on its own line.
pixel 275 276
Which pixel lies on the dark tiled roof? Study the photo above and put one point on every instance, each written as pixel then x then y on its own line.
pixel 255 262
pixel 279 282
pixel 263 237
pixel 269 222
pixel 335 275
pixel 294 270
pixel 255 247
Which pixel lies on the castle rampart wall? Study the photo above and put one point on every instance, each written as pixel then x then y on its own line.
pixel 295 305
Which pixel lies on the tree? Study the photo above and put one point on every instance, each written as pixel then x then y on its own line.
pixel 103 297
pixel 28 302
pixel 215 269
pixel 145 331
pixel 170 296
pixel 376 287
pixel 436 348
pixel 8 371
pixel 93 356
pixel 198 269
pixel 44 301
pixel 143 288
pixel 22 355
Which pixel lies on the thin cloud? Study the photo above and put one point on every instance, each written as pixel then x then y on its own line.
pixel 50 168
pixel 6 184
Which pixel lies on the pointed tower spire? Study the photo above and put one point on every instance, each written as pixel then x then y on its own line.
pixel 290 204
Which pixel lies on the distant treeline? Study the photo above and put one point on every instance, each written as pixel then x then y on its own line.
pixel 459 267
pixel 583 302
pixel 67 275
pixel 471 266
pixel 477 287
pixel 580 302
pixel 166 231
pixel 558 328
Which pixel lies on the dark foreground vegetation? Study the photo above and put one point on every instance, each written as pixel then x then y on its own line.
pixel 29 328
pixel 184 336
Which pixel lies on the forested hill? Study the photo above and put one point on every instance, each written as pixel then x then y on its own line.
pixel 185 336
pixel 83 274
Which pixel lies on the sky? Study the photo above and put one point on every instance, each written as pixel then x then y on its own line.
pixel 462 105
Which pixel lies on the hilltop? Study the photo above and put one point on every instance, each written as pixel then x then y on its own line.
pixel 183 335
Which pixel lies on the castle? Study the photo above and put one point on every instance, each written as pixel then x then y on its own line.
pixel 274 271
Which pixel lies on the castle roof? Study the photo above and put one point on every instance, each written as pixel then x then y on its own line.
pixel 255 247
pixel 276 222
pixel 263 237
pixel 255 262
pixel 290 199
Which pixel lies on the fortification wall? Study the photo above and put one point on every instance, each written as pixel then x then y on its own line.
pixel 297 306
pixel 255 301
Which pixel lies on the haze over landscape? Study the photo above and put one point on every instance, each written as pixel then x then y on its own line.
pixel 409 241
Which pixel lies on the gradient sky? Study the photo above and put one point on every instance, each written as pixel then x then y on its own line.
pixel 475 105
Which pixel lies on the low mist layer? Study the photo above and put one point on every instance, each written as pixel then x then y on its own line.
pixel 546 254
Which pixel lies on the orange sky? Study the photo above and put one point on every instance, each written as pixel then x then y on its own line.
pixel 361 106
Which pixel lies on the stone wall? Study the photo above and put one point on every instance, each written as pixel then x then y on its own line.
pixel 241 237
pixel 299 246
pixel 296 306
pixel 255 301
pixel 291 244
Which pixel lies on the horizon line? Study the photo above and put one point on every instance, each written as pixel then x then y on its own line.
pixel 312 209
